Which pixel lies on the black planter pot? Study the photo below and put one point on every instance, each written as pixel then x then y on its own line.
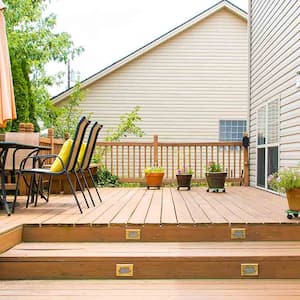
pixel 184 180
pixel 216 181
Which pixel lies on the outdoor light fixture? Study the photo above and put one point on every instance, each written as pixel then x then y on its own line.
pixel 298 79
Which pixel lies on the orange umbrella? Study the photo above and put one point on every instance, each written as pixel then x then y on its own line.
pixel 7 100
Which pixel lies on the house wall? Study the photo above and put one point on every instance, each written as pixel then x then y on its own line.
pixel 274 61
pixel 183 86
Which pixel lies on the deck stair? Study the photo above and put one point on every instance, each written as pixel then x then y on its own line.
pixel 156 234
pixel 230 259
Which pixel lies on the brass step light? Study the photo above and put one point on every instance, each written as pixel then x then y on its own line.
pixel 133 234
pixel 124 270
pixel 248 270
pixel 238 233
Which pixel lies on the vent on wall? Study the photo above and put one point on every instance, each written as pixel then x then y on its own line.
pixel 298 80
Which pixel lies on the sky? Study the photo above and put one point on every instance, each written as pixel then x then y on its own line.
pixel 111 29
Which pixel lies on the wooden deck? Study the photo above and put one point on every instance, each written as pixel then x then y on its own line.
pixel 138 206
pixel 158 234
pixel 151 289
pixel 146 260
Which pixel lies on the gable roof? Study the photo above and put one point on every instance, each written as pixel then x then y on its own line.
pixel 170 34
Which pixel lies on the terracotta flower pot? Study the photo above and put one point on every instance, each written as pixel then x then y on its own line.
pixel 154 179
pixel 293 197
pixel 184 180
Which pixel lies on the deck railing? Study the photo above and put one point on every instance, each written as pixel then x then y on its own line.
pixel 128 160
pixel 54 143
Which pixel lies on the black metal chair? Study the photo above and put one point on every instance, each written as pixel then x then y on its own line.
pixel 83 168
pixel 67 168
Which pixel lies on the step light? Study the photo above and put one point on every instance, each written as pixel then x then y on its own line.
pixel 124 270
pixel 248 270
pixel 133 234
pixel 238 233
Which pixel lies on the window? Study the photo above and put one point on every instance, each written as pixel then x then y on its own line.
pixel 232 130
pixel 261 126
pixel 267 141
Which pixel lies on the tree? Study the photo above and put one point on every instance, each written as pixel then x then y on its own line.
pixel 32 44
pixel 69 113
pixel 21 95
pixel 127 126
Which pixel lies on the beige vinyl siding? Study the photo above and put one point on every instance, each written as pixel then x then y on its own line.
pixel 274 62
pixel 184 86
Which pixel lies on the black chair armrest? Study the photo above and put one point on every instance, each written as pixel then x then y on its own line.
pixel 40 159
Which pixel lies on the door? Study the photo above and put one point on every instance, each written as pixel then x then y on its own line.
pixel 267 142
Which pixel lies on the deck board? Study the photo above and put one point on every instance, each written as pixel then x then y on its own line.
pixel 182 212
pixel 119 203
pixel 197 213
pixel 168 214
pixel 254 289
pixel 125 206
pixel 108 200
pixel 154 212
pixel 140 213
pixel 203 201
pixel 124 215
pixel 206 250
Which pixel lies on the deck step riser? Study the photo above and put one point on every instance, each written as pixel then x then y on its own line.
pixel 164 233
pixel 149 268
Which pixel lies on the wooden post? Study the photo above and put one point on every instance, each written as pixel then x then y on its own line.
pixel 29 127
pixel 51 139
pixel 67 135
pixel 22 127
pixel 246 158
pixel 155 150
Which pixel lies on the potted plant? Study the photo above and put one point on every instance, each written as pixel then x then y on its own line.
pixel 154 176
pixel 215 177
pixel 288 180
pixel 184 177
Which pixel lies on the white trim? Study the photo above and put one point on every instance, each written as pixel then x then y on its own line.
pixel 223 4
pixel 266 146
pixel 270 191
pixel 249 67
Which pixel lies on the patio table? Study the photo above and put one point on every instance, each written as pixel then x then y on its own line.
pixel 4 148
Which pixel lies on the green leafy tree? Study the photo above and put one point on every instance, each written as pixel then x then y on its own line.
pixel 70 113
pixel 127 126
pixel 21 95
pixel 33 43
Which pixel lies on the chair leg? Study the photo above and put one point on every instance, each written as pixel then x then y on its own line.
pixel 30 192
pixel 49 188
pixel 91 176
pixel 16 192
pixel 39 189
pixel 73 191
pixel 87 186
pixel 81 188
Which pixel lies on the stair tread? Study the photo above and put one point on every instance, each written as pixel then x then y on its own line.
pixel 152 289
pixel 155 249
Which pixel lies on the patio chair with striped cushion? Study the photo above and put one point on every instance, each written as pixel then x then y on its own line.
pixel 67 167
pixel 84 167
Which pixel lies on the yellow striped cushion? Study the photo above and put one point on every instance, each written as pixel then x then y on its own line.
pixel 64 155
pixel 81 153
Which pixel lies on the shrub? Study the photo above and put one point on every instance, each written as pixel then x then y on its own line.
pixel 106 178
